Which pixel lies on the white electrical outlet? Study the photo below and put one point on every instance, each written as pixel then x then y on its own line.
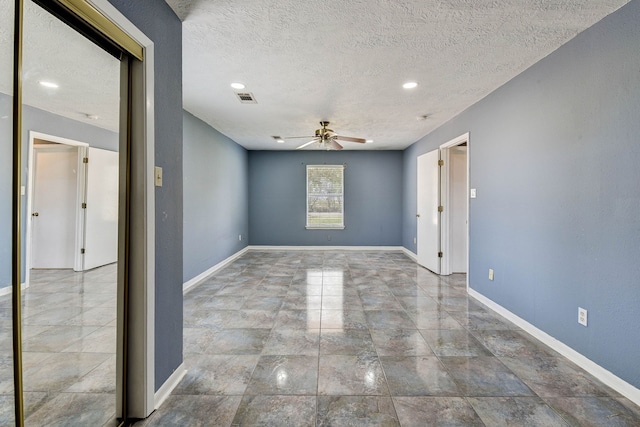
pixel 491 274
pixel 472 193
pixel 582 316
pixel 415 240
pixel 239 237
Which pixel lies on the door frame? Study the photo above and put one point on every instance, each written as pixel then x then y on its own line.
pixel 80 188
pixel 135 371
pixel 445 190
pixel 140 364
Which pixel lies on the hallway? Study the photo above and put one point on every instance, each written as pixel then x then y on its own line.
pixel 306 338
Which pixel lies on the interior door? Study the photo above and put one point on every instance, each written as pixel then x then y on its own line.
pixel 101 213
pixel 53 213
pixel 428 217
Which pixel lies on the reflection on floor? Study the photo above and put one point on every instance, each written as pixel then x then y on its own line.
pixel 69 345
pixel 367 338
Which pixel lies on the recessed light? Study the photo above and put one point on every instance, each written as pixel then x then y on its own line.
pixel 49 84
pixel 410 85
pixel 369 141
pixel 237 85
pixel 278 139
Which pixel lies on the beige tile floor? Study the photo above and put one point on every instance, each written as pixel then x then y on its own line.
pixel 305 338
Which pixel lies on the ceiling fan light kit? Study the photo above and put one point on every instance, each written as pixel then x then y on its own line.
pixel 327 138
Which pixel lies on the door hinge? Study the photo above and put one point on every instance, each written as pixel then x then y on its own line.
pixel 84 206
pixel 82 251
pixel 85 160
pixel 440 162
pixel 440 208
pixel 439 254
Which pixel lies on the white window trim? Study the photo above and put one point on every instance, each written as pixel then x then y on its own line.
pixel 323 227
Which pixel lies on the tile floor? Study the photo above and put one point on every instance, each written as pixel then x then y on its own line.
pixel 300 338
pixel 367 339
pixel 69 345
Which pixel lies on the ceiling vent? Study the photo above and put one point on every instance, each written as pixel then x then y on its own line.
pixel 246 98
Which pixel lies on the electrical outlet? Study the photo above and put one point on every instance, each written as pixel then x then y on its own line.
pixel 582 316
pixel 240 237
pixel 491 274
pixel 415 240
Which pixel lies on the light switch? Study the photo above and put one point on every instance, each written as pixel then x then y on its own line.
pixel 472 193
pixel 22 190
pixel 158 175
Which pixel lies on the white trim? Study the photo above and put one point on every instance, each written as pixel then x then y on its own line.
pixel 7 290
pixel 192 283
pixel 325 248
pixel 445 247
pixel 80 181
pixel 148 307
pixel 171 383
pixel 410 254
pixel 607 377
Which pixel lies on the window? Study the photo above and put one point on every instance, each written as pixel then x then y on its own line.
pixel 325 201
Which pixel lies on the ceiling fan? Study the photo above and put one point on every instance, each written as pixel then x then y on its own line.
pixel 327 138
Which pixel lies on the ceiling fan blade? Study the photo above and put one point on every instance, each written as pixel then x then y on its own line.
pixel 298 137
pixel 334 144
pixel 351 139
pixel 314 140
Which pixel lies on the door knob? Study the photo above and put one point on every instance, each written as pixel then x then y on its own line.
pixel 35 214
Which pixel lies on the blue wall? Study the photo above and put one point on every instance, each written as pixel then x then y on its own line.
pixel 555 157
pixel 372 198
pixel 156 19
pixel 34 119
pixel 216 198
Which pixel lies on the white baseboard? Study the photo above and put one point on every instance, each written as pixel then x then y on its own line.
pixel 8 290
pixel 410 254
pixel 610 379
pixel 188 285
pixel 324 248
pixel 172 382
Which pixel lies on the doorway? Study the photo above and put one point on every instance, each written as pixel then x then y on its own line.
pixel 102 23
pixel 443 207
pixel 72 200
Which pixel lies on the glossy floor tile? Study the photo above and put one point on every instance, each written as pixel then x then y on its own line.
pixel 69 346
pixel 356 338
pixel 307 338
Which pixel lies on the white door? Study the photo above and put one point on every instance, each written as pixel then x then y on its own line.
pixel 428 216
pixel 458 209
pixel 53 213
pixel 101 213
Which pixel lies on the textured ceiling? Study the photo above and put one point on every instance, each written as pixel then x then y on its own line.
pixel 87 76
pixel 345 61
pixel 306 61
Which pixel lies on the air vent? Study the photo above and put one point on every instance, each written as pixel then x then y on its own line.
pixel 246 98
